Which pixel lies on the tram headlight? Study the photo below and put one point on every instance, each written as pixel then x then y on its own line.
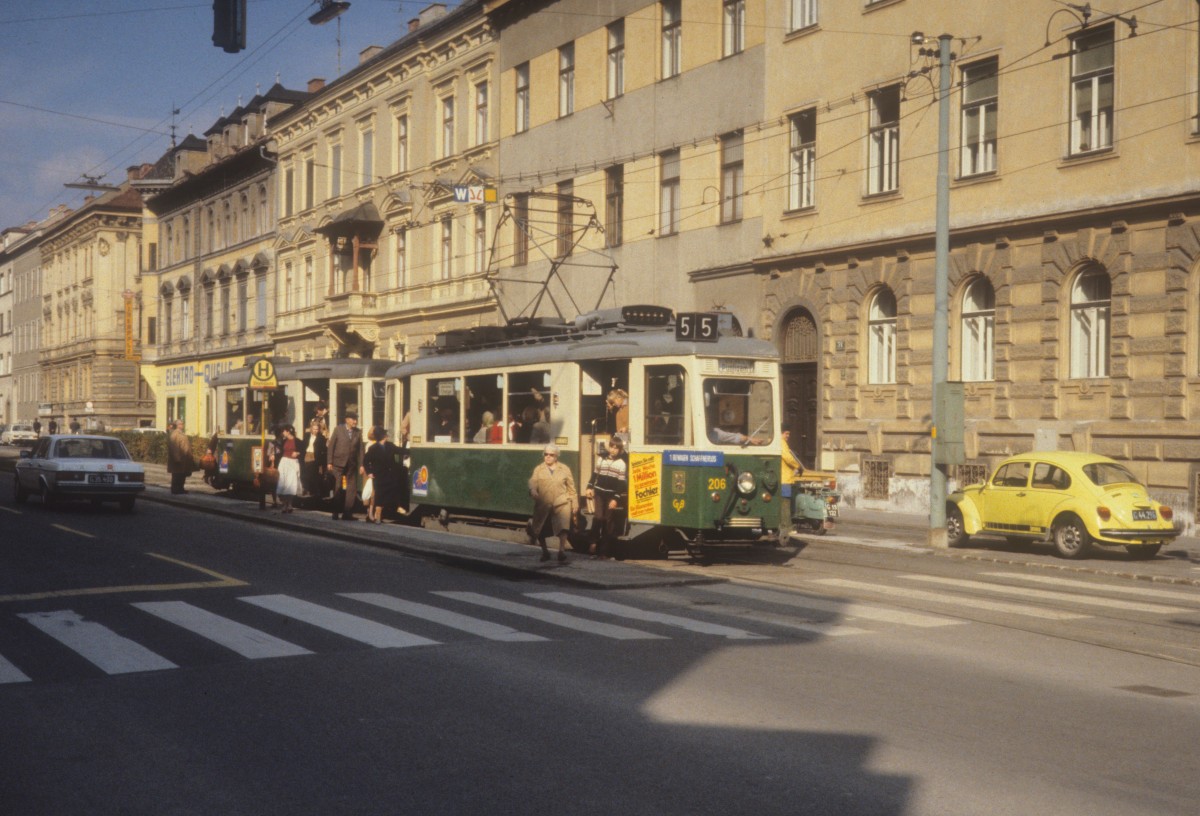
pixel 746 482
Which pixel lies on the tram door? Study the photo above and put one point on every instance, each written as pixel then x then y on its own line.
pixel 801 392
pixel 348 396
pixel 597 421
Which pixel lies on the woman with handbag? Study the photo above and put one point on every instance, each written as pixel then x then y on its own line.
pixel 383 474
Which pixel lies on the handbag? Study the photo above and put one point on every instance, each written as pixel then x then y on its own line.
pixel 368 489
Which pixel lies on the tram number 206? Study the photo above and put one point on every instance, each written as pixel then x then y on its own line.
pixel 716 484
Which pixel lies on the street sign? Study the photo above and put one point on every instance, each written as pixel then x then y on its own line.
pixel 262 374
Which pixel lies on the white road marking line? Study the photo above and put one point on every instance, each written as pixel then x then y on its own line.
pixel 12 510
pixel 550 616
pixel 846 610
pixel 341 623
pixel 1047 595
pixel 67 529
pixel 248 642
pixel 954 600
pixel 783 621
pixel 454 620
pixel 98 644
pixel 633 613
pixel 1150 591
pixel 10 673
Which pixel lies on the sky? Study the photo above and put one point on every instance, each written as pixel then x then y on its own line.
pixel 88 88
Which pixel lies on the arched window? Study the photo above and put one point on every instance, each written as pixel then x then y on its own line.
pixel 881 339
pixel 978 331
pixel 1091 305
pixel 800 339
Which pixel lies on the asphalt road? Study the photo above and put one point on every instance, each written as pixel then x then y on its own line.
pixel 173 662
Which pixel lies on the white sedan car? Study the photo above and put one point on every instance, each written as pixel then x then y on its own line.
pixel 96 468
pixel 18 434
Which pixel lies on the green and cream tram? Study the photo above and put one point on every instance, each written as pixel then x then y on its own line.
pixel 687 490
pixel 249 407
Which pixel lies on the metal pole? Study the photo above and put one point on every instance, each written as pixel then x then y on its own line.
pixel 937 473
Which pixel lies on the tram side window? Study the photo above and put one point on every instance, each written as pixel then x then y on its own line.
pixel 445 410
pixel 485 409
pixel 528 419
pixel 235 410
pixel 739 412
pixel 666 406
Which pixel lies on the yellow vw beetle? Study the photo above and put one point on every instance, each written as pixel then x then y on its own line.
pixel 1072 500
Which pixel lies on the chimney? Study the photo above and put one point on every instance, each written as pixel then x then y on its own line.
pixel 368 52
pixel 315 84
pixel 434 11
pixel 414 24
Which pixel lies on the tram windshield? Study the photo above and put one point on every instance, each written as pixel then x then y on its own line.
pixel 738 411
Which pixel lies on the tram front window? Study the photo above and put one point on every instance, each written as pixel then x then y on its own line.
pixel 739 412
pixel 666 406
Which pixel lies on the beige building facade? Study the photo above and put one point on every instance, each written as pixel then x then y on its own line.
pixel 380 245
pixel 781 163
pixel 212 274
pixel 89 374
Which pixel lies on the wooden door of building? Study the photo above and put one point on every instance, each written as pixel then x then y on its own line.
pixel 799 356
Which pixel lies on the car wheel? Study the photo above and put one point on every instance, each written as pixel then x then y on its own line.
pixel 1143 552
pixel 1071 539
pixel 20 494
pixel 127 504
pixel 47 496
pixel 956 530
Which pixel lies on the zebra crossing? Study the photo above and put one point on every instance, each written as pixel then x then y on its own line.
pixel 530 617
pixel 724 612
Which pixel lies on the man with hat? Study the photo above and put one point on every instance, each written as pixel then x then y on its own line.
pixel 344 460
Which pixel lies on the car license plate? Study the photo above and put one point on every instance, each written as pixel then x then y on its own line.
pixel 831 510
pixel 1145 515
pixel 101 478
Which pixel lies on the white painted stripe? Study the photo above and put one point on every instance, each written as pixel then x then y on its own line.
pixel 633 613
pixel 955 600
pixel 242 639
pixel 550 616
pixel 12 510
pixel 98 644
pixel 453 620
pixel 846 610
pixel 341 623
pixel 786 622
pixel 1046 595
pixel 72 530
pixel 1148 591
pixel 10 673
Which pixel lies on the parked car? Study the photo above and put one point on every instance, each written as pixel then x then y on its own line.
pixel 96 468
pixel 1071 500
pixel 18 434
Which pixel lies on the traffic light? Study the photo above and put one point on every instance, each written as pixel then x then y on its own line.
pixel 229 25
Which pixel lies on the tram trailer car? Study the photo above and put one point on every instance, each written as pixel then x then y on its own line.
pixel 343 384
pixel 686 490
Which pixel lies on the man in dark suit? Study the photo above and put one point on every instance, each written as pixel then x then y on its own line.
pixel 345 453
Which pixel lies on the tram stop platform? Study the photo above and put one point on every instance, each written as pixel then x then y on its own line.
pixel 513 558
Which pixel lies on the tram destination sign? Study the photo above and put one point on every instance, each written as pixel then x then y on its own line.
pixel 702 327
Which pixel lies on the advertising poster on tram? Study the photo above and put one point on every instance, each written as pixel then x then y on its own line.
pixel 645 480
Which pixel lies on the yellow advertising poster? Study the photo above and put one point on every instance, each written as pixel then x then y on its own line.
pixel 645 486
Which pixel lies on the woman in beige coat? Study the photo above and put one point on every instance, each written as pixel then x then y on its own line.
pixel 555 499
